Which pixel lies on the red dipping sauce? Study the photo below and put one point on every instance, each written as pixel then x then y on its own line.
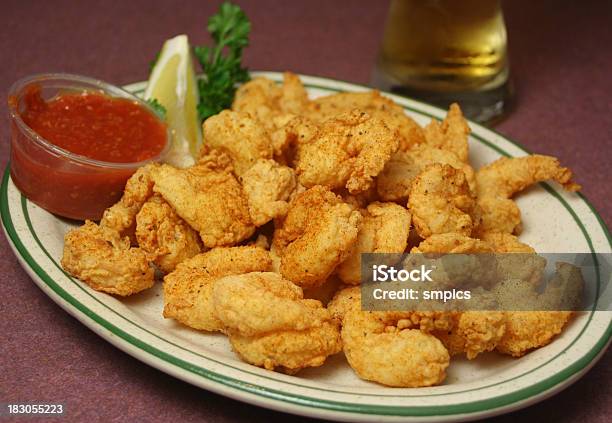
pixel 73 152
pixel 96 126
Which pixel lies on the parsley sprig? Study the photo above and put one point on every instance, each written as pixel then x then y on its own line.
pixel 221 63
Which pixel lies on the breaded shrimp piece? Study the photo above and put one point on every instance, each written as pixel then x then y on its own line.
pixel 524 265
pixel 527 330
pixel 473 332
pixel 373 103
pixel 273 106
pixel 384 229
pixel 451 134
pixel 121 217
pixel 395 181
pixel 379 350
pixel 452 243
pixel 348 151
pixel 263 99
pixel 304 209
pixel 243 303
pixel 164 236
pixel 502 179
pixel 315 237
pixel 299 333
pixel 289 351
pixel 441 202
pixel 267 186
pixel 100 257
pixel 346 299
pixel 188 290
pixel 242 137
pixel 210 200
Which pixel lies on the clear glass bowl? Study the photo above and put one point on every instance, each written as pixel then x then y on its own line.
pixel 64 183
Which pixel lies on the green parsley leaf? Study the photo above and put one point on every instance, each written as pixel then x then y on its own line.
pixel 221 63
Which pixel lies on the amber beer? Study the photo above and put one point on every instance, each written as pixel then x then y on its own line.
pixel 446 50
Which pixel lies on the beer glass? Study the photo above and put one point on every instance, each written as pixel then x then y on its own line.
pixel 444 51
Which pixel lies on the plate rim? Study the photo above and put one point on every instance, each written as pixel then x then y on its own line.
pixel 533 391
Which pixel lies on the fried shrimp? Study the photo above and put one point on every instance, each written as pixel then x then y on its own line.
pixel 500 180
pixel 267 186
pixel 188 290
pixel 347 151
pixel 527 330
pixel 240 136
pixel 380 351
pixel 374 104
pixel 473 332
pixel 266 101
pixel 535 318
pixel 164 236
pixel 384 229
pixel 441 202
pixel 242 303
pixel 315 237
pixel 395 181
pixel 451 134
pixel 210 200
pixel 345 300
pixel 300 333
pixel 121 217
pixel 100 257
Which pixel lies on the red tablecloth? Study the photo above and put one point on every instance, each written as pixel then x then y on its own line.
pixel 561 65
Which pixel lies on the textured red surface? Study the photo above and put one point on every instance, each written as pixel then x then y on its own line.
pixel 561 61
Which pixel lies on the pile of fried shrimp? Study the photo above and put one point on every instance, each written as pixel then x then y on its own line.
pixel 262 238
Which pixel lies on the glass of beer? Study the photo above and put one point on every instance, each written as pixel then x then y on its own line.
pixel 445 51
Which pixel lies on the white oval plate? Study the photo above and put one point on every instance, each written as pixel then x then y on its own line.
pixel 554 221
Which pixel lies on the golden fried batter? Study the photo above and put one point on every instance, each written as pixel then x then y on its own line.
pixel 211 201
pixel 267 186
pixel 299 333
pixel 347 151
pixel 121 217
pixel 100 257
pixel 441 202
pixel 473 332
pixel 384 229
pixel 315 237
pixel 380 351
pixel 263 99
pixel 500 180
pixel 345 300
pixel 374 104
pixel 188 290
pixel 395 181
pixel 164 236
pixel 451 134
pixel 526 330
pixel 242 137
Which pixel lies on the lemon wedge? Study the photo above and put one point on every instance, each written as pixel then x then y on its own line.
pixel 173 84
